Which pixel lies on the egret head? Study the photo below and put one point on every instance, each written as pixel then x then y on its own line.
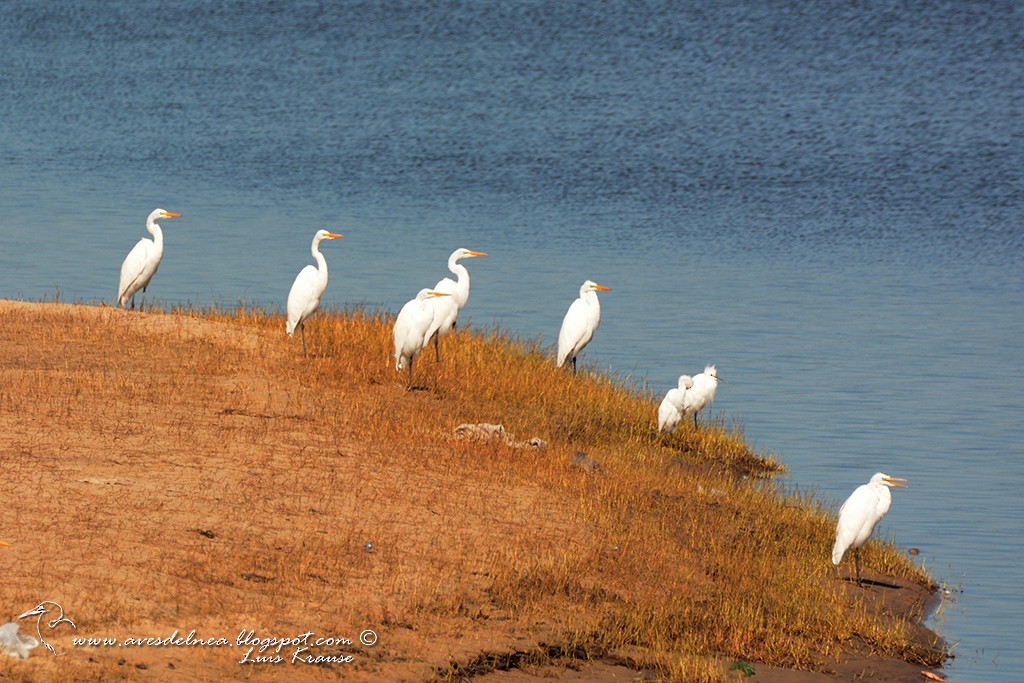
pixel 467 253
pixel 160 214
pixel 685 382
pixel 890 481
pixel 880 478
pixel 326 235
pixel 590 286
pixel 426 293
pixel 712 372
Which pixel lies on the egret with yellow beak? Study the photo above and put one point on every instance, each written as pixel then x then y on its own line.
pixel 309 286
pixel 865 508
pixel 140 264
pixel 580 323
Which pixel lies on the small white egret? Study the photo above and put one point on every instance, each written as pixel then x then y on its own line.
pixel 580 323
pixel 140 264
pixel 309 286
pixel 411 328
pixel 865 508
pixel 15 644
pixel 702 392
pixel 670 413
pixel 446 309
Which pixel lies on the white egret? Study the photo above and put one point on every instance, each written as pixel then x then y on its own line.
pixel 579 324
pixel 446 309
pixel 140 264
pixel 702 392
pixel 15 644
pixel 865 508
pixel 670 413
pixel 309 286
pixel 411 328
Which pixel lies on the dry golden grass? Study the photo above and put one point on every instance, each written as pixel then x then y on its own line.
pixel 192 470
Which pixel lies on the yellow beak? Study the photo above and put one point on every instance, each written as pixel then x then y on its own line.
pixel 895 481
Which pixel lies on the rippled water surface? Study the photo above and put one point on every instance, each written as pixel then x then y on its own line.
pixel 823 199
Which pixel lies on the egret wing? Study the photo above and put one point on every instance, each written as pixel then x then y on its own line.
pixel 133 271
pixel 575 332
pixel 304 297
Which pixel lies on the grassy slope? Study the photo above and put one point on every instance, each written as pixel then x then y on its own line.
pixel 194 471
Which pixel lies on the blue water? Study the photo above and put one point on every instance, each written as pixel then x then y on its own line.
pixel 823 198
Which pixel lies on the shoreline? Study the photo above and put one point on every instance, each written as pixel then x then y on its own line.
pixel 204 450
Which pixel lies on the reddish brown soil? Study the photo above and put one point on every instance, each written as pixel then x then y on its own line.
pixel 157 480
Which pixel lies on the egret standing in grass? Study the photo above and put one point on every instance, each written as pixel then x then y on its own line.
pixel 140 264
pixel 865 508
pixel 309 286
pixel 446 309
pixel 670 413
pixel 411 328
pixel 702 392
pixel 580 323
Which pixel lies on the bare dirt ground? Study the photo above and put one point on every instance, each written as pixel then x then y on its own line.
pixel 179 481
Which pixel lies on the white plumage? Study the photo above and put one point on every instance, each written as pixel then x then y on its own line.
pixel 670 412
pixel 412 327
pixel 865 508
pixel 309 286
pixel 580 323
pixel 446 309
pixel 702 392
pixel 140 264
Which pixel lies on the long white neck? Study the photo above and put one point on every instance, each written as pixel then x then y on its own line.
pixel 321 263
pixel 593 305
pixel 423 301
pixel 461 293
pixel 156 232
pixel 884 500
